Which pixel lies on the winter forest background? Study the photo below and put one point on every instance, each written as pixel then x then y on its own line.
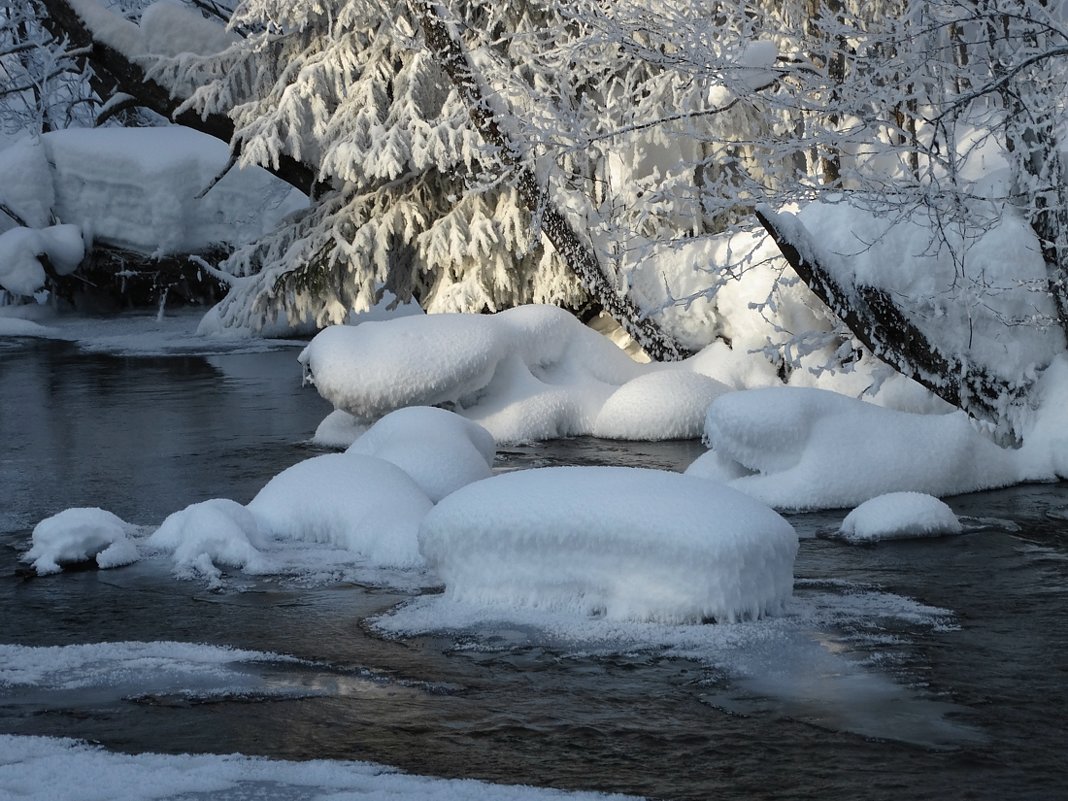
pixel 604 156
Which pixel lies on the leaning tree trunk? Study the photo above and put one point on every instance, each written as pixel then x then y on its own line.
pixel 578 255
pixel 883 327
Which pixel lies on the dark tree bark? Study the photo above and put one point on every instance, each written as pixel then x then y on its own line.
pixel 114 68
pixel 884 328
pixel 579 256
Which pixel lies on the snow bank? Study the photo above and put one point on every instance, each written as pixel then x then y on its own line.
pixel 57 769
pixel 899 515
pixel 620 542
pixel 347 500
pixel 80 535
pixel 137 188
pixel 211 533
pixel 809 448
pixel 440 450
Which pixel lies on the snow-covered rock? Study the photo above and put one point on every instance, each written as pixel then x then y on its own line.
pixel 899 515
pixel 669 404
pixel 440 450
pixel 809 448
pixel 364 504
pixel 205 535
pixel 625 543
pixel 21 271
pixel 79 535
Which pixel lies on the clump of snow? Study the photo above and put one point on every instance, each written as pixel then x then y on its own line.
pixel 21 271
pixel 440 450
pixel 1044 454
pixel 211 533
pixel 809 448
pixel 624 543
pixel 899 515
pixel 27 185
pixel 339 429
pixel 364 504
pixel 80 535
pixel 670 404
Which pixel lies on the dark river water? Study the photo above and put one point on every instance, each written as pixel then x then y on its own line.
pixel 967 701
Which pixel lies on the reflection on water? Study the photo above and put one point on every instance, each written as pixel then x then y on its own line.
pixel 859 695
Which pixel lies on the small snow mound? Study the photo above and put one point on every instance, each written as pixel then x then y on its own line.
pixel 899 515
pixel 339 429
pixel 211 533
pixel 79 535
pixel 440 450
pixel 625 543
pixel 347 500
pixel 670 404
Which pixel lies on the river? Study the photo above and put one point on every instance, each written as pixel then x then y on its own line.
pixel 918 669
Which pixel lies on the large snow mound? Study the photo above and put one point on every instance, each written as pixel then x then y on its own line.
pixel 440 450
pixel 899 515
pixel 625 543
pixel 798 448
pixel 352 501
pixel 529 373
pixel 80 535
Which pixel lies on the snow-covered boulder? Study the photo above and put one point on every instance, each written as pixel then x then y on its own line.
pixel 625 543
pixel 806 448
pixel 21 249
pixel 361 503
pixel 440 450
pixel 78 535
pixel 211 533
pixel 899 515
pixel 669 404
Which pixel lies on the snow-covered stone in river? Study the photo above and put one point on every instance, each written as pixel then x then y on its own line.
pixel 669 404
pixel 211 533
pixel 899 515
pixel 809 448
pixel 80 535
pixel 440 450
pixel 625 543
pixel 361 503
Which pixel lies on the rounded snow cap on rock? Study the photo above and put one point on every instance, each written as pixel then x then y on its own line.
pixel 625 543
pixel 899 515
pixel 77 535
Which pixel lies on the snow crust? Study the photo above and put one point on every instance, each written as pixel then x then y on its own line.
pixel 80 535
pixel 348 500
pixel 899 515
pixel 57 769
pixel 799 448
pixel 625 543
pixel 440 450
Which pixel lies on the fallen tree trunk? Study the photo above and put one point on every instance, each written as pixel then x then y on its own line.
pixel 883 327
pixel 577 254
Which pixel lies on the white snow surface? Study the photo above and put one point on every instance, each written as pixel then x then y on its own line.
pixel 80 535
pixel 71 770
pixel 136 188
pixel 899 515
pixel 440 450
pixel 625 543
pixel 798 448
pixel 348 500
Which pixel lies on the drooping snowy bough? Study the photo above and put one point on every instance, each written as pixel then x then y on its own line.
pixel 625 543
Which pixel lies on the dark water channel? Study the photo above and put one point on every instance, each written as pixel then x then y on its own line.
pixel 145 436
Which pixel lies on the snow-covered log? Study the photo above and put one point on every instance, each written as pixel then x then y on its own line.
pixel 876 319
pixel 579 256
